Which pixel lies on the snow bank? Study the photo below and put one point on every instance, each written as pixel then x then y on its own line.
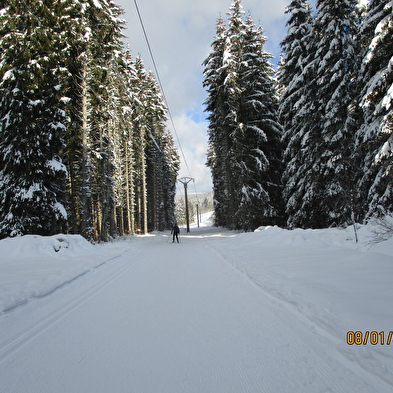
pixel 33 266
pixel 30 246
pixel 337 283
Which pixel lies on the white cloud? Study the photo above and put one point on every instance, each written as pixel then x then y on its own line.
pixel 193 140
pixel 180 33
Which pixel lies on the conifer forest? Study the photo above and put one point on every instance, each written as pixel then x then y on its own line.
pixel 84 146
pixel 310 144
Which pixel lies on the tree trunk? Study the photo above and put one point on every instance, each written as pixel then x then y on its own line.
pixel 144 195
pixel 85 205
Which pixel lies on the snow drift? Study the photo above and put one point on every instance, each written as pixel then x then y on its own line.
pixel 33 266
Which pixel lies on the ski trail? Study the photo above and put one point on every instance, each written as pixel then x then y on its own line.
pixel 22 338
pixel 168 318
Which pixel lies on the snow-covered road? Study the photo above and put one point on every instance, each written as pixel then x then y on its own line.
pixel 165 317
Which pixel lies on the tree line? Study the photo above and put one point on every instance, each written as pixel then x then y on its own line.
pixel 83 143
pixel 309 145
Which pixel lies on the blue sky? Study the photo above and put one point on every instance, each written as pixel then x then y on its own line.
pixel 180 34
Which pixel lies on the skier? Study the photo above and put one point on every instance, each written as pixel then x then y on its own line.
pixel 175 230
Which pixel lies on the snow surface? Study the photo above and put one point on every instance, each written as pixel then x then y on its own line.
pixel 267 311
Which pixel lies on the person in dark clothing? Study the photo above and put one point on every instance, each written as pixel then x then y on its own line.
pixel 175 230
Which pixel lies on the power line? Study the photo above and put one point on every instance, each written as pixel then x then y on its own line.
pixel 159 82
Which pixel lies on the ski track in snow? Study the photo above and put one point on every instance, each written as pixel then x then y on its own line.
pixel 315 317
pixel 172 318
pixel 17 342
pixel 316 334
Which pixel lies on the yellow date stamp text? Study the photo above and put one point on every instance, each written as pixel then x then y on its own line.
pixel 369 337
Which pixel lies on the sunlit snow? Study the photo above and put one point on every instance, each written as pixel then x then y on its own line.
pixel 222 311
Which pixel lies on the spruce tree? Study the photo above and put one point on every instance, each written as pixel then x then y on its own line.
pixel 170 169
pixel 337 22
pixel 162 160
pixel 257 151
pixel 244 134
pixel 105 43
pixel 231 106
pixel 320 185
pixel 33 119
pixel 140 143
pixel 295 50
pixel 293 83
pixel 218 150
pixel 374 137
pixel 77 149
pixel 126 73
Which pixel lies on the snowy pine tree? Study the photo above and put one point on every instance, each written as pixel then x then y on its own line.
pixel 256 146
pixel 126 103
pixel 319 178
pixel 337 22
pixel 293 85
pixel 32 119
pixel 231 105
pixel 218 149
pixel 374 138
pixel 295 50
pixel 77 150
pixel 244 135
pixel 162 160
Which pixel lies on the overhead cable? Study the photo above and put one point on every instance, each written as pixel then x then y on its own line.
pixel 159 82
